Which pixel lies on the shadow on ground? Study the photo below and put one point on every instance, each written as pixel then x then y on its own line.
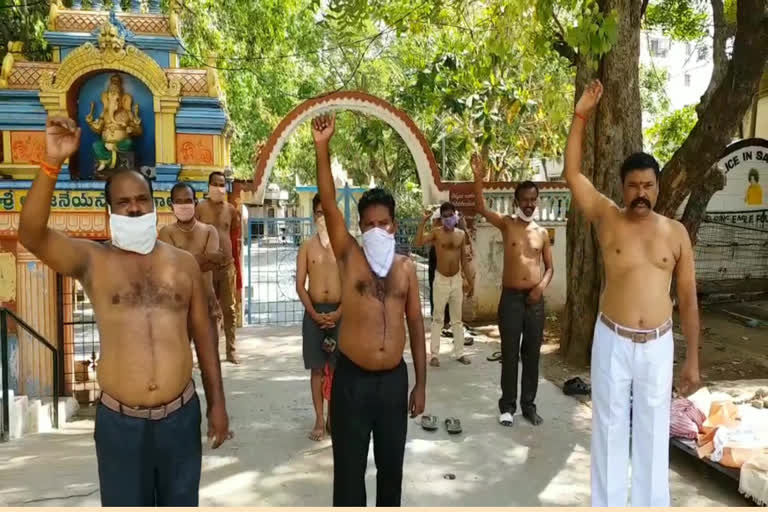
pixel 271 462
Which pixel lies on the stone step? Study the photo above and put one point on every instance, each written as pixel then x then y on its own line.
pixel 34 415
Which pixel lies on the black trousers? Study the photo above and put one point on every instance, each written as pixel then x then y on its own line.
pixel 517 317
pixel 432 268
pixel 365 403
pixel 148 463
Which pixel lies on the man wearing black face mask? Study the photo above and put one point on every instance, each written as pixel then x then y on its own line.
pixel 633 345
pixel 145 294
pixel 452 263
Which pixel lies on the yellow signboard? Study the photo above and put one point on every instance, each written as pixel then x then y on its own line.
pixel 76 200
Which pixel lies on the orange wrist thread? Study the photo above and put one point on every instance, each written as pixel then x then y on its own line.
pixel 49 170
pixel 580 116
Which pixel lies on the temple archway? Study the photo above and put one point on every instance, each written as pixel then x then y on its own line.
pixel 433 189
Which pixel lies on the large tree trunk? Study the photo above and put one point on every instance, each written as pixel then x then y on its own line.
pixel 726 109
pixel 697 203
pixel 614 133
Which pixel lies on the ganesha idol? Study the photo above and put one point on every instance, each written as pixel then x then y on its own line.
pixel 118 123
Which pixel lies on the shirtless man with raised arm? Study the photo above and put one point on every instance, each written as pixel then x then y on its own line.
pixel 198 239
pixel 322 310
pixel 220 214
pixel 527 273
pixel 145 294
pixel 633 346
pixel 452 264
pixel 379 292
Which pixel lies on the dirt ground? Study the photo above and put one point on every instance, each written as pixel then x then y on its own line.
pixel 730 350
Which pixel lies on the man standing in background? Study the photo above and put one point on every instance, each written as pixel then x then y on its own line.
pixel 322 310
pixel 452 263
pixel 217 212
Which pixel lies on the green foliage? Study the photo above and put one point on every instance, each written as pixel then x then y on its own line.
pixel 579 24
pixel 652 93
pixel 669 133
pixel 683 20
pixel 474 76
pixel 24 20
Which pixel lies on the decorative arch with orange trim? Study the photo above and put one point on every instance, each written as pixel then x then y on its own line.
pixel 429 175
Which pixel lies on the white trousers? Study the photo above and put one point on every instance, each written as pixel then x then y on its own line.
pixel 447 290
pixel 621 367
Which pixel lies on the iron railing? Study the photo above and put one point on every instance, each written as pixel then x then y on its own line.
pixel 4 314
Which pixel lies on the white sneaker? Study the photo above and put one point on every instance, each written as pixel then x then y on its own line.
pixel 506 419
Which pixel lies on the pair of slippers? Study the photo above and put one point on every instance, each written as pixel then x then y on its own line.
pixel 452 425
pixel 576 386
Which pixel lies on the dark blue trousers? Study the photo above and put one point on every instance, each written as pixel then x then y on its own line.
pixel 147 463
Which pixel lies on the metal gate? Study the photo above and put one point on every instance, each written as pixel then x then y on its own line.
pixel 730 255
pixel 270 265
pixel 79 339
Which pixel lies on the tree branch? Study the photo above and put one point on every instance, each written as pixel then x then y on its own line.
pixel 719 57
pixel 726 109
pixel 643 8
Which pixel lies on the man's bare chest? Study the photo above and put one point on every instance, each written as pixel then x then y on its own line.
pixel 523 243
pixel 193 242
pixel 628 252
pixel 140 286
pixel 220 218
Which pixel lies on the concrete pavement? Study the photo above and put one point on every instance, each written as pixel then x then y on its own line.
pixel 271 462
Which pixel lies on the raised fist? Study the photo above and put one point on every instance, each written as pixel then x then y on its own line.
pixel 62 138
pixel 322 127
pixel 589 99
pixel 478 167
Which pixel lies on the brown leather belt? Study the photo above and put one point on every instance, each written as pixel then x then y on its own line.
pixel 637 336
pixel 150 413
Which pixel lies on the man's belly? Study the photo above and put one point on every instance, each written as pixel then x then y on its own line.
pixel 144 365
pixel 448 268
pixel 519 276
pixel 324 288
pixel 644 305
pixel 369 344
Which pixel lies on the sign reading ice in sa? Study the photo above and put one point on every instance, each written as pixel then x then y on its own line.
pixel 746 177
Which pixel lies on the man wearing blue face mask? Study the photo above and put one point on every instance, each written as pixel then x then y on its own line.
pixel 145 294
pixel 379 291
pixel 452 263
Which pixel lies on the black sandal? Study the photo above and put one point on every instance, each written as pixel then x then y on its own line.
pixel 496 356
pixel 576 386
pixel 453 425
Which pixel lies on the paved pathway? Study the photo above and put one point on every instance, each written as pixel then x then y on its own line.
pixel 272 463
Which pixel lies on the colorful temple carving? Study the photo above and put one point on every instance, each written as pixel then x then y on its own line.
pixel 118 75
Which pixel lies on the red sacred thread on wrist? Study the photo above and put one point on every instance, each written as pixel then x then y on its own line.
pixel 580 116
pixel 49 170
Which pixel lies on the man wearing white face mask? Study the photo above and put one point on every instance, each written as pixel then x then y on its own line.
pixel 199 239
pixel 452 262
pixel 379 291
pixel 222 215
pixel 148 297
pixel 322 310
pixel 527 273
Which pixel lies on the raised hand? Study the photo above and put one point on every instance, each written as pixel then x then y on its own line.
pixel 589 99
pixel 478 167
pixel 62 138
pixel 323 127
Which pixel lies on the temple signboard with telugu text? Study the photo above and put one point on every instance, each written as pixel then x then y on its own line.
pixel 76 200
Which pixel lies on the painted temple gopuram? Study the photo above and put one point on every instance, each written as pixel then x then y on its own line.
pixel 118 75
